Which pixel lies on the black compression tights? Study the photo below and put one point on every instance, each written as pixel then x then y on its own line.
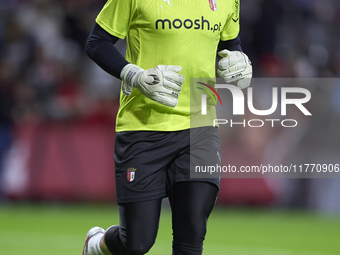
pixel 191 204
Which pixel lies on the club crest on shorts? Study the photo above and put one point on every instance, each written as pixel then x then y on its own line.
pixel 131 173
pixel 213 5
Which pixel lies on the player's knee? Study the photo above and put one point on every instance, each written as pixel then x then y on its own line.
pixel 133 249
pixel 189 239
pixel 189 242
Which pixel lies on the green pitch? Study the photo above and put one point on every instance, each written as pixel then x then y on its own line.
pixel 60 229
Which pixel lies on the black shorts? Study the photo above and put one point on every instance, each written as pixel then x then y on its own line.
pixel 149 163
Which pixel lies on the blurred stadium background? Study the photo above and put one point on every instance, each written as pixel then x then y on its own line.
pixel 57 114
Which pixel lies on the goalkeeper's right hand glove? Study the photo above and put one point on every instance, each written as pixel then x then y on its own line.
pixel 161 84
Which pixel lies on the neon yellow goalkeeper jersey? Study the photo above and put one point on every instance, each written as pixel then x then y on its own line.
pixel 168 32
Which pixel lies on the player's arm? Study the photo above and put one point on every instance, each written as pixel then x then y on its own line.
pixel 100 48
pixel 161 84
pixel 234 66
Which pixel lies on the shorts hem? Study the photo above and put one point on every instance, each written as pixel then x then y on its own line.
pixel 216 182
pixel 139 199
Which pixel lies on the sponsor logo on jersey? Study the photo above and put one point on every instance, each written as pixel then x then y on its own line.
pixel 131 173
pixel 201 23
pixel 213 5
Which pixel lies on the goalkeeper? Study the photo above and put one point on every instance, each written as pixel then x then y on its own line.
pixel 168 42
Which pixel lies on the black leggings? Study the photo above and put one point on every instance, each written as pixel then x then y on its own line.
pixel 191 204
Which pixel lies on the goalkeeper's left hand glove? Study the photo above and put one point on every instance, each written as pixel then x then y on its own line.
pixel 235 66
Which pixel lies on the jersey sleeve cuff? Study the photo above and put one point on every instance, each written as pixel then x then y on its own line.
pixel 229 37
pixel 109 30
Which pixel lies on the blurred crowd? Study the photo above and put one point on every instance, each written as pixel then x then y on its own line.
pixel 43 69
pixel 46 76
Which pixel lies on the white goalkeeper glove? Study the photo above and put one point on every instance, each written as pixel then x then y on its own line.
pixel 161 84
pixel 235 66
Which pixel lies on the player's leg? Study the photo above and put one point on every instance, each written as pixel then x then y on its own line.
pixel 191 204
pixel 140 170
pixel 135 235
pixel 138 228
pixel 192 198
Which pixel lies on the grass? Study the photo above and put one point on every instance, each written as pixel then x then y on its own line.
pixel 54 229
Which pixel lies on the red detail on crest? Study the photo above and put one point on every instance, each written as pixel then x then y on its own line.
pixel 213 5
